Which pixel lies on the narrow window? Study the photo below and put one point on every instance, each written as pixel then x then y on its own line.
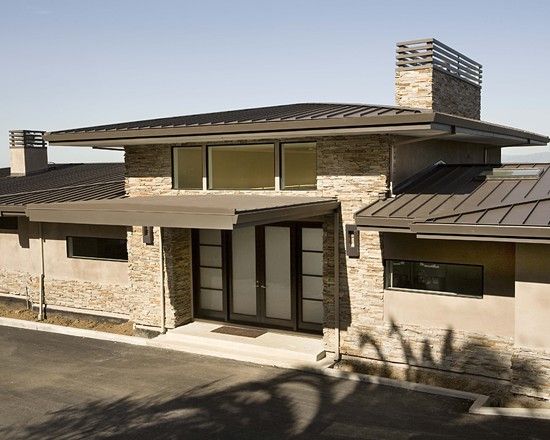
pixel 8 223
pixel 461 279
pixel 241 166
pixel 187 167
pixel 299 165
pixel 97 248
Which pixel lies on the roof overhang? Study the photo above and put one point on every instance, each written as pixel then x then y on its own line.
pixel 185 211
pixel 452 231
pixel 426 124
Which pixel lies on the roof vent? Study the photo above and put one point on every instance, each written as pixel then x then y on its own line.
pixel 512 174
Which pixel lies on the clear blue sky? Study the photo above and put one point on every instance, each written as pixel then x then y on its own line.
pixel 73 63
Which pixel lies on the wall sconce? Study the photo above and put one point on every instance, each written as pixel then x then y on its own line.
pixel 148 236
pixel 352 241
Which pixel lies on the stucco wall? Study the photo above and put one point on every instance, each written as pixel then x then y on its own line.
pixel 92 285
pixel 533 296
pixel 409 159
pixel 493 314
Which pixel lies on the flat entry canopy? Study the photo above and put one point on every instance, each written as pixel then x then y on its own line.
pixel 211 211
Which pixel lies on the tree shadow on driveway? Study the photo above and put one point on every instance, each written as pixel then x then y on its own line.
pixel 293 404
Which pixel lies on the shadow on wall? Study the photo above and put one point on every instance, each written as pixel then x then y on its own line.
pixel 295 405
pixel 473 365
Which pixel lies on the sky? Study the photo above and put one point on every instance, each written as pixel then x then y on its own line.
pixel 71 63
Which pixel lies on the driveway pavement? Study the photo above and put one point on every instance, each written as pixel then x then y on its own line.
pixel 62 387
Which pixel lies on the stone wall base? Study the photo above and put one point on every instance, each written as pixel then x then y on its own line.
pixel 81 295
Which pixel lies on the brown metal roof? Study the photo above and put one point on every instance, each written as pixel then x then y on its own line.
pixel 211 211
pixel 289 112
pixel 61 183
pixel 295 120
pixel 445 197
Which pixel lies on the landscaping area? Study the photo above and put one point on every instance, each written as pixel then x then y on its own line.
pixel 17 310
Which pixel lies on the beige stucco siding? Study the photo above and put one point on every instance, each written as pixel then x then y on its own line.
pixel 59 266
pixel 493 314
pixel 82 284
pixel 533 296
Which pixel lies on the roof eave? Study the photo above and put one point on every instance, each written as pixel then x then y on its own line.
pixel 406 124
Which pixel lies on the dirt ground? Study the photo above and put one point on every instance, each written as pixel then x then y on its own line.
pixel 16 312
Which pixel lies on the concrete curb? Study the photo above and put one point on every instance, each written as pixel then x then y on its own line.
pixel 479 400
pixel 72 331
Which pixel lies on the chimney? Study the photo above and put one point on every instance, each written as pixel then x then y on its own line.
pixel 28 152
pixel 432 75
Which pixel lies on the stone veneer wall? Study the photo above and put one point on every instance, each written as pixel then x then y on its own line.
pixel 83 295
pixel 436 90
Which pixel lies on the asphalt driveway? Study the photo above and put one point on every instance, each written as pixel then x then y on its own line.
pixel 62 387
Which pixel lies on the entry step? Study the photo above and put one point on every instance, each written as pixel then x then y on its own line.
pixel 270 348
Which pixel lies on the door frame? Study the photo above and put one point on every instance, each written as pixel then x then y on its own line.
pixel 295 323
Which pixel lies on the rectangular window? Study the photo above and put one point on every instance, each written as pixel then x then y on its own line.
pixel 299 165
pixel 8 223
pixel 187 167
pixel 241 166
pixel 97 248
pixel 460 279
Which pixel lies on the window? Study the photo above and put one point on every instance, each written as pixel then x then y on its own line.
pixel 459 279
pixel 241 166
pixel 299 165
pixel 8 223
pixel 97 248
pixel 187 167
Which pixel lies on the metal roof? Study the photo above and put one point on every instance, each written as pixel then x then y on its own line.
pixel 459 199
pixel 288 112
pixel 294 121
pixel 212 211
pixel 60 183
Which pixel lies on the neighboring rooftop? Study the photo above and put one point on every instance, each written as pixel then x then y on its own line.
pixel 62 183
pixel 471 196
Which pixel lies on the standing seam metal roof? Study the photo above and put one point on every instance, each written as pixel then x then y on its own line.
pixel 458 194
pixel 289 112
pixel 63 183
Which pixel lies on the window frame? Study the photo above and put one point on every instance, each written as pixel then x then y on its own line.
pixel 69 247
pixel 173 167
pixel 278 164
pixel 388 277
pixel 282 145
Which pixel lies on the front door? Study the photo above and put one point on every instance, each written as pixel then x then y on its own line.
pixel 261 287
pixel 263 275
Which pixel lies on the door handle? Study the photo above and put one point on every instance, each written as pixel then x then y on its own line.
pixel 258 284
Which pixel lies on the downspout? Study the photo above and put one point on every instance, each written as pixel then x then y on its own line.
pixel 161 280
pixel 337 285
pixel 41 293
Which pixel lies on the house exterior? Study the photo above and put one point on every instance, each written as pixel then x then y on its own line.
pixel 231 216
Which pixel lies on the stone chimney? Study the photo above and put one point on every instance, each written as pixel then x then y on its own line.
pixel 432 75
pixel 28 152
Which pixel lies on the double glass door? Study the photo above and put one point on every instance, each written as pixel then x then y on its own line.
pixel 264 275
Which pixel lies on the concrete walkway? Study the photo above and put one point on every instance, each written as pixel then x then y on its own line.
pixel 64 387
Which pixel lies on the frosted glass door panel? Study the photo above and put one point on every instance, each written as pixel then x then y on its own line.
pixel 244 271
pixel 278 302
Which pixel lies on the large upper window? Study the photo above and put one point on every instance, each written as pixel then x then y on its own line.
pixel 187 163
pixel 299 165
pixel 459 279
pixel 97 248
pixel 241 166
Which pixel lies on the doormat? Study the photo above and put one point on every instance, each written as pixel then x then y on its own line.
pixel 239 331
